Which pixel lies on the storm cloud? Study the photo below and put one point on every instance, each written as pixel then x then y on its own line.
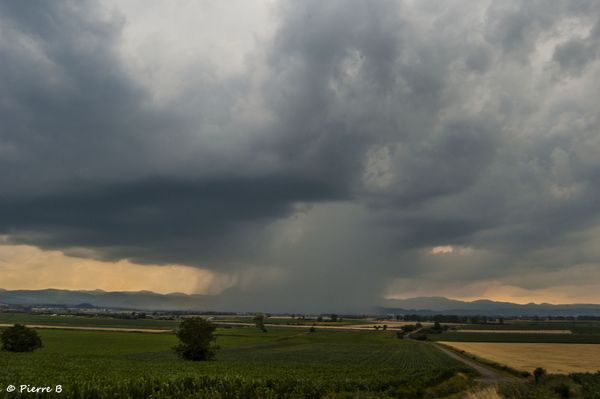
pixel 324 149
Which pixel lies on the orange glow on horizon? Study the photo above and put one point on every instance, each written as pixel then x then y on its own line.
pixel 28 267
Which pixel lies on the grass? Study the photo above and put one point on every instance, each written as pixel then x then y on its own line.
pixel 485 393
pixel 590 384
pixel 550 387
pixel 280 363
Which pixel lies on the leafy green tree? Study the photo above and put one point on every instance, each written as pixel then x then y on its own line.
pixel 197 337
pixel 19 338
pixel 334 317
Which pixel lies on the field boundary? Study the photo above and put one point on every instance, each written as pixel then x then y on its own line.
pixel 86 328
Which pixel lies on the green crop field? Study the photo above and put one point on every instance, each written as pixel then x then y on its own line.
pixel 281 363
pixel 83 321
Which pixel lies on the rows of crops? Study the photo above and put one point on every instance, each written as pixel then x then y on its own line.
pixel 240 387
pixel 280 363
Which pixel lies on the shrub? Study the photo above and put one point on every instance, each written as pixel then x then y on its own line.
pixel 19 338
pixel 419 336
pixel 538 374
pixel 259 322
pixel 409 328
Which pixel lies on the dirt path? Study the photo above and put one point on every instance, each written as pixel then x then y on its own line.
pixel 489 376
pixel 118 329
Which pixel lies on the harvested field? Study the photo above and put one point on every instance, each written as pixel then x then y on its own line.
pixel 516 338
pixel 518 331
pixel 555 358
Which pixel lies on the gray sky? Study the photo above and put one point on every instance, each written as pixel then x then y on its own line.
pixel 302 155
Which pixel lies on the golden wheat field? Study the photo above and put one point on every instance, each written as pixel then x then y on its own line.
pixel 555 358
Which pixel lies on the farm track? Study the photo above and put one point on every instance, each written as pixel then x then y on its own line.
pixel 489 376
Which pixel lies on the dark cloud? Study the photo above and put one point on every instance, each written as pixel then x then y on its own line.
pixel 157 220
pixel 357 137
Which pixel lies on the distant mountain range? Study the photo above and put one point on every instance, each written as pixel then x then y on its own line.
pixel 139 300
pixel 484 307
pixel 147 300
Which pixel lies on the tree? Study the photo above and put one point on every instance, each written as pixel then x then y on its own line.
pixel 334 317
pixel 438 327
pixel 538 374
pixel 197 336
pixel 259 321
pixel 19 338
